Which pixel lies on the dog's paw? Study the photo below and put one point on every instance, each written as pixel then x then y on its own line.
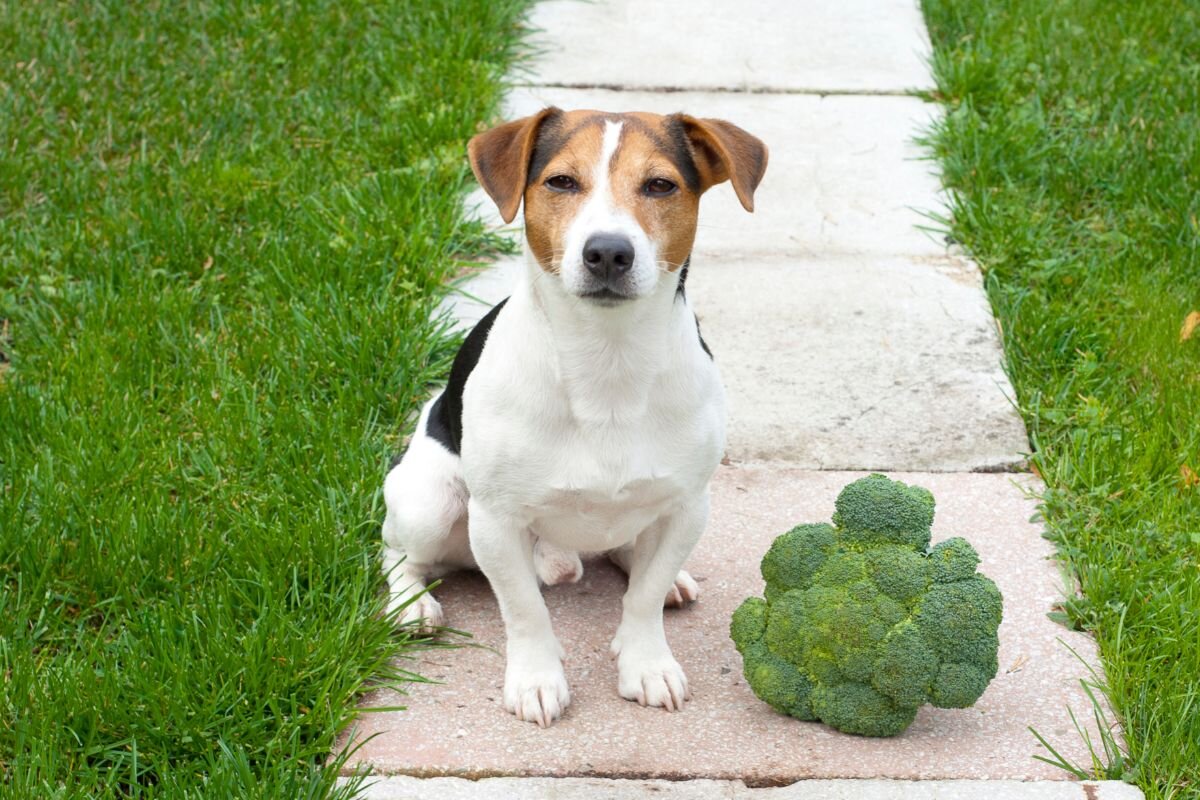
pixel 536 690
pixel 424 613
pixel 555 565
pixel 652 679
pixel 684 592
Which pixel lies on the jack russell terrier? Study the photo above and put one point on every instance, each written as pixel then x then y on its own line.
pixel 583 414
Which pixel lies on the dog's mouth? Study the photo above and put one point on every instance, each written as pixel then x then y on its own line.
pixel 605 296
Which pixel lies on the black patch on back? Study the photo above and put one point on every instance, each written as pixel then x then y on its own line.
pixel 445 418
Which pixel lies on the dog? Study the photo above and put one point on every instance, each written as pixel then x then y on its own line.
pixel 585 413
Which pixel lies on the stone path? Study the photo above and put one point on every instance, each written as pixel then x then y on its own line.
pixel 405 788
pixel 849 339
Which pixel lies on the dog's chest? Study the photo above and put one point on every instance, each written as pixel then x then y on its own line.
pixel 589 440
pixel 599 492
pixel 594 485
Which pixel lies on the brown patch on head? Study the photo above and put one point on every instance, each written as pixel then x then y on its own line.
pixel 653 155
pixel 651 148
pixel 723 151
pixel 500 159
pixel 551 159
pixel 569 148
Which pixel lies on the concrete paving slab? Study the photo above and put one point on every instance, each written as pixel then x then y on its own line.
pixel 844 177
pixel 774 45
pixel 845 363
pixel 406 788
pixel 459 728
pixel 859 363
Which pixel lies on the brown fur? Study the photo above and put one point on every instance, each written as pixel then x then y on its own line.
pixel 694 154
pixel 500 159
pixel 669 221
pixel 548 214
pixel 723 151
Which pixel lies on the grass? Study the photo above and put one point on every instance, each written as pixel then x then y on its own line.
pixel 1072 143
pixel 224 227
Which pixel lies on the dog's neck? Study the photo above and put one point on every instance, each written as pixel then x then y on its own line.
pixel 609 358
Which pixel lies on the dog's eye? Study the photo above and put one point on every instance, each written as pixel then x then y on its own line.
pixel 562 183
pixel 658 187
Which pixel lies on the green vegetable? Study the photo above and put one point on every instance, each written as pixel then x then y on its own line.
pixel 862 623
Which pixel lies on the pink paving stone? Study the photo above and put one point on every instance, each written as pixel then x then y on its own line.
pixel 460 728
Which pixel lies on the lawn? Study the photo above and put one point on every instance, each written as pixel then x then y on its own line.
pixel 1072 142
pixel 224 227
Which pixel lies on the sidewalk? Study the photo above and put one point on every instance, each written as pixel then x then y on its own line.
pixel 602 789
pixel 848 340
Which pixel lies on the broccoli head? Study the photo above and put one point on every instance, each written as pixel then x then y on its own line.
pixel 863 623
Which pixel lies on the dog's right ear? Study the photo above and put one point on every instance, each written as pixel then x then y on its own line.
pixel 500 159
pixel 725 152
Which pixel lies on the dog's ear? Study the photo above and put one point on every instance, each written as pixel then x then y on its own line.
pixel 500 159
pixel 724 152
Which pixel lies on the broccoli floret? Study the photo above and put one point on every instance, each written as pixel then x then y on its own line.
pixel 775 678
pixel 749 622
pixel 900 572
pixel 796 556
pixel 906 667
pixel 953 560
pixel 778 682
pixel 876 509
pixel 959 620
pixel 862 624
pixel 960 685
pixel 857 708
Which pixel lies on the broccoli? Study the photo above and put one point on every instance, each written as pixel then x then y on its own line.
pixel 863 623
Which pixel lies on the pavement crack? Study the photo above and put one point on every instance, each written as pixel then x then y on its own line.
pixel 666 89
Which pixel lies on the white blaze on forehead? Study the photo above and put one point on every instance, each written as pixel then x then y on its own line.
pixel 600 213
pixel 602 190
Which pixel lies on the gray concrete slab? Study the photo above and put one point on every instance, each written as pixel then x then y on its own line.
pixel 845 175
pixel 458 727
pixel 403 787
pixel 859 363
pixel 845 362
pixel 406 788
pixel 778 45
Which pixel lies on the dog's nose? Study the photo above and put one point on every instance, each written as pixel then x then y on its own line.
pixel 608 255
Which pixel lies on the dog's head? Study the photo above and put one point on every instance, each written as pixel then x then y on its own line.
pixel 611 199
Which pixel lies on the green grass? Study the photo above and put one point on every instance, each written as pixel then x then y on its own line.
pixel 1072 142
pixel 224 225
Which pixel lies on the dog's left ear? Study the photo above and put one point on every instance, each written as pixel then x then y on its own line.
pixel 500 159
pixel 725 152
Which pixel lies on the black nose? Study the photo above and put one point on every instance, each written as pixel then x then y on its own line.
pixel 608 255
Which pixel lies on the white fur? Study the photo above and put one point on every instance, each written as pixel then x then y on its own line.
pixel 585 429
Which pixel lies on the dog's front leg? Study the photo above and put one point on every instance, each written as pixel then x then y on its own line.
pixel 535 688
pixel 647 671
